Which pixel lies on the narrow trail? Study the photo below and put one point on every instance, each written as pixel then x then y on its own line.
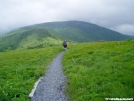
pixel 51 87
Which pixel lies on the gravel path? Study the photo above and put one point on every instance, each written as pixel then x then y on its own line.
pixel 51 87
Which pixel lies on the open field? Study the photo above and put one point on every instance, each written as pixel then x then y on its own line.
pixel 100 70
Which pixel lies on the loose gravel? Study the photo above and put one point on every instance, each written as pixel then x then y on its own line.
pixel 52 85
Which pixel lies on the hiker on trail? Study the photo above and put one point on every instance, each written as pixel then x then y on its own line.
pixel 64 44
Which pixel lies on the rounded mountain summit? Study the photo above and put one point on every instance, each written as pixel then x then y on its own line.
pixel 47 34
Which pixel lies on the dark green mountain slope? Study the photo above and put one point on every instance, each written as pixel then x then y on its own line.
pixel 80 31
pixel 46 34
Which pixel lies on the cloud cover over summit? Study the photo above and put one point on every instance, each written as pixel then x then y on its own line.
pixel 113 14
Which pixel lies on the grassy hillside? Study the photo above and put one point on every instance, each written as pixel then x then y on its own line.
pixel 28 39
pixel 52 33
pixel 21 69
pixel 96 71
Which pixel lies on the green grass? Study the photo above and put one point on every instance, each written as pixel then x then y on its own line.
pixel 96 71
pixel 19 70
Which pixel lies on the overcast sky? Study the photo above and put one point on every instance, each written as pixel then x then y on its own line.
pixel 113 14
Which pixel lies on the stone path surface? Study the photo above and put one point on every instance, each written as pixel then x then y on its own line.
pixel 52 85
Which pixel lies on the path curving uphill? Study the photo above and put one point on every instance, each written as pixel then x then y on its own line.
pixel 51 87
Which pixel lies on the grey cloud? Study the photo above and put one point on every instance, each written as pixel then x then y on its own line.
pixel 127 28
pixel 113 14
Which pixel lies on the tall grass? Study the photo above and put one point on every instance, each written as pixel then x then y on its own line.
pixel 19 70
pixel 96 71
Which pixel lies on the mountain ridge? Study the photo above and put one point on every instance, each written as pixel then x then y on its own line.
pixel 80 28
pixel 52 33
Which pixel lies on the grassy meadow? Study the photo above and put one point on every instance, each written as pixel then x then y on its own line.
pixel 19 70
pixel 100 70
pixel 94 71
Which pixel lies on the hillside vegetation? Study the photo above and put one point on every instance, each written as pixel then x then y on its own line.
pixel 21 69
pixel 80 31
pixel 96 71
pixel 52 33
pixel 28 39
